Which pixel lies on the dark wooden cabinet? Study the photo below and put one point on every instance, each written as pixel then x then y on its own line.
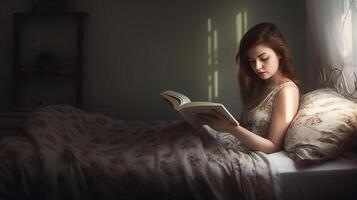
pixel 12 123
pixel 47 59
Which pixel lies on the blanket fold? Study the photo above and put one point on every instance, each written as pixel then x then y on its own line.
pixel 82 155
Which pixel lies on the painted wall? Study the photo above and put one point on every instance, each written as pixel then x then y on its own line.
pixel 135 49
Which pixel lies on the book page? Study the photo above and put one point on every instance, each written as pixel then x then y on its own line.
pixel 175 98
pixel 190 111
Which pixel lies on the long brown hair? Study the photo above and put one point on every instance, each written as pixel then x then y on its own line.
pixel 269 35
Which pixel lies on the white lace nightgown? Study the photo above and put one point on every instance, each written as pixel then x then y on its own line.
pixel 257 120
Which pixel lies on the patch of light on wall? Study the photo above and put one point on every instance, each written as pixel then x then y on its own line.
pixel 245 25
pixel 212 54
pixel 241 25
pixel 209 88
pixel 209 43
pixel 215 83
pixel 215 46
pixel 239 29
pixel 209 51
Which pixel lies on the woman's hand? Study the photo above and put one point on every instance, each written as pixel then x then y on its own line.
pixel 216 121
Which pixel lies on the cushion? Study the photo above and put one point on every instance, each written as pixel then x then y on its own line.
pixel 323 127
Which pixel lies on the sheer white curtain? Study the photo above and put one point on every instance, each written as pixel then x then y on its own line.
pixel 331 34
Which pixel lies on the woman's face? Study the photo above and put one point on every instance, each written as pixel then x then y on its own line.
pixel 264 61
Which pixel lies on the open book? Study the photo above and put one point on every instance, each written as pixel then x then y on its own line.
pixel 189 109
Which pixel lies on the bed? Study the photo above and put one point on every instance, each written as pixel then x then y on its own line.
pixel 335 179
pixel 69 153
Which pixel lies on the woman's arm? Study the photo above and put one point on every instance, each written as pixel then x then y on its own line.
pixel 285 106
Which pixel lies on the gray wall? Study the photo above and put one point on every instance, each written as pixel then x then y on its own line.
pixel 136 49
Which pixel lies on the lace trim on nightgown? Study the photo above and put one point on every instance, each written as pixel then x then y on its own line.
pixel 258 119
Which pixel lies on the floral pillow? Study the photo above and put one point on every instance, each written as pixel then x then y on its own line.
pixel 324 126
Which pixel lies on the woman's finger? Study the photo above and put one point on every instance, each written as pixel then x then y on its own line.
pixel 203 118
pixel 208 116
pixel 218 114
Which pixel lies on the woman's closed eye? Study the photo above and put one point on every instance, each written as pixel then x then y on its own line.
pixel 264 58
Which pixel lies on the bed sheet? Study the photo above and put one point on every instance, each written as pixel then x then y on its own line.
pixel 334 179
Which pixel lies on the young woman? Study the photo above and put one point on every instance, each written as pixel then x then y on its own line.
pixel 268 89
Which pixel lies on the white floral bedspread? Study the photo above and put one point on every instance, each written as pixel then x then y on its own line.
pixel 68 153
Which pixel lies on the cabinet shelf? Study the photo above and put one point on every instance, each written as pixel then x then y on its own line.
pixel 47 52
pixel 39 75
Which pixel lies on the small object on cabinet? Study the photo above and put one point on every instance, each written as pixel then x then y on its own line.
pixel 46 63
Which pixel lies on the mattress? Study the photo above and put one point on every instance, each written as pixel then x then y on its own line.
pixel 335 179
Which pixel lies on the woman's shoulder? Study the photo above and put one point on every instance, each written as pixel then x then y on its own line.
pixel 287 84
pixel 288 91
pixel 286 101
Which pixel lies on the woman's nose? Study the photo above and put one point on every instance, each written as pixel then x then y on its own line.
pixel 258 65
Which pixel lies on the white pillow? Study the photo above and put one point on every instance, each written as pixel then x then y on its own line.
pixel 322 128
